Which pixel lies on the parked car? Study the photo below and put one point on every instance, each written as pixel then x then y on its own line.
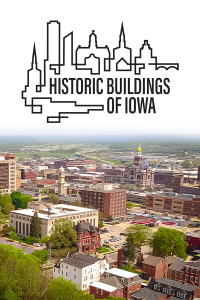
pixel 101 232
pixel 119 238
pixel 121 233
pixel 192 225
pixel 36 244
pixel 124 243
pixel 106 241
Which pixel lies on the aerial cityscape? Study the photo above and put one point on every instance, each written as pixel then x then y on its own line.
pixel 94 218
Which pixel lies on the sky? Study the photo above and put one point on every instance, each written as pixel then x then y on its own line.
pixel 172 30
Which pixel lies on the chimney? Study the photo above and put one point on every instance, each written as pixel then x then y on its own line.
pixel 98 227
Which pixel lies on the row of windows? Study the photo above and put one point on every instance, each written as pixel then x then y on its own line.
pixel 170 292
pixel 191 278
pixel 192 270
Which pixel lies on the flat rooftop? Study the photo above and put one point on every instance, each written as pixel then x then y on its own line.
pixel 103 286
pixel 177 196
pixel 59 210
pixel 121 273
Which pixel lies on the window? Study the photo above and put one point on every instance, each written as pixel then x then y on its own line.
pixel 197 272
pixel 74 276
pixel 97 291
pixel 191 278
pixel 196 279
pixel 192 271
pixel 187 269
pixel 168 291
pixel 101 292
pixel 181 275
pixel 176 274
pixel 170 273
pixel 74 269
pixel 66 267
pixel 164 290
pixel 155 287
pixel 66 273
pixel 186 277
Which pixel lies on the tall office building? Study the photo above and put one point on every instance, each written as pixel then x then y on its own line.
pixel 7 174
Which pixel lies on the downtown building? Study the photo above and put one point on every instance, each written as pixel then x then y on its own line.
pixel 138 174
pixel 111 202
pixel 174 203
pixel 21 219
pixel 7 174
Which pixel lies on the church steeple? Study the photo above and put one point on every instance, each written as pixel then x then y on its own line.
pixel 93 40
pixel 34 58
pixel 122 42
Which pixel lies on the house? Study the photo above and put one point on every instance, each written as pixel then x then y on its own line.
pixel 176 270
pixel 117 283
pixel 193 240
pixel 147 294
pixel 88 237
pixel 174 289
pixel 192 273
pixel 81 269
pixel 156 267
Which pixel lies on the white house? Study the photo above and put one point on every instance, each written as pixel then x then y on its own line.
pixel 81 268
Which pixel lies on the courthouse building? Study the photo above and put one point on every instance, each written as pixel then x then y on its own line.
pixel 21 219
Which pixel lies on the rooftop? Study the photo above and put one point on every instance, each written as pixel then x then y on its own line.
pixel 147 294
pixel 177 284
pixel 152 260
pixel 59 210
pixel 103 286
pixel 121 273
pixel 195 233
pixel 80 260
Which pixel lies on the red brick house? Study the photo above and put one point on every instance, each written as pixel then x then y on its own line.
pixel 156 267
pixel 117 283
pixel 176 270
pixel 192 273
pixel 88 237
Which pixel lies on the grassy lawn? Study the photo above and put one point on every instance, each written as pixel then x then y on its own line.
pixel 102 250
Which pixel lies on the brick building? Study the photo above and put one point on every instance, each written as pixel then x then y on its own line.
pixel 7 174
pixel 30 175
pixel 174 203
pixel 88 237
pixel 147 294
pixel 166 177
pixel 138 174
pixel 117 283
pixel 176 270
pixel 193 240
pixel 154 266
pixel 109 201
pixel 174 289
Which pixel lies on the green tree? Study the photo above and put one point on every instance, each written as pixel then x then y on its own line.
pixel 129 250
pixel 110 218
pixel 128 268
pixel 46 190
pixel 21 277
pixel 186 164
pixel 100 214
pixel 141 233
pixel 42 255
pixel 101 224
pixel 129 204
pixel 6 230
pixel 76 203
pixel 53 198
pixel 167 242
pixel 199 217
pixel 62 289
pixel 7 208
pixel 5 199
pixel 35 226
pixel 19 200
pixel 63 235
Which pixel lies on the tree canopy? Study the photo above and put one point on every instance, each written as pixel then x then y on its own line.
pixel 22 279
pixel 141 233
pixel 42 255
pixel 63 235
pixel 167 242
pixel 110 218
pixel 35 226
pixel 53 198
pixel 20 200
pixel 62 289
pixel 129 250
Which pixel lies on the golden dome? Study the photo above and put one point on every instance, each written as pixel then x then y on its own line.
pixel 139 149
